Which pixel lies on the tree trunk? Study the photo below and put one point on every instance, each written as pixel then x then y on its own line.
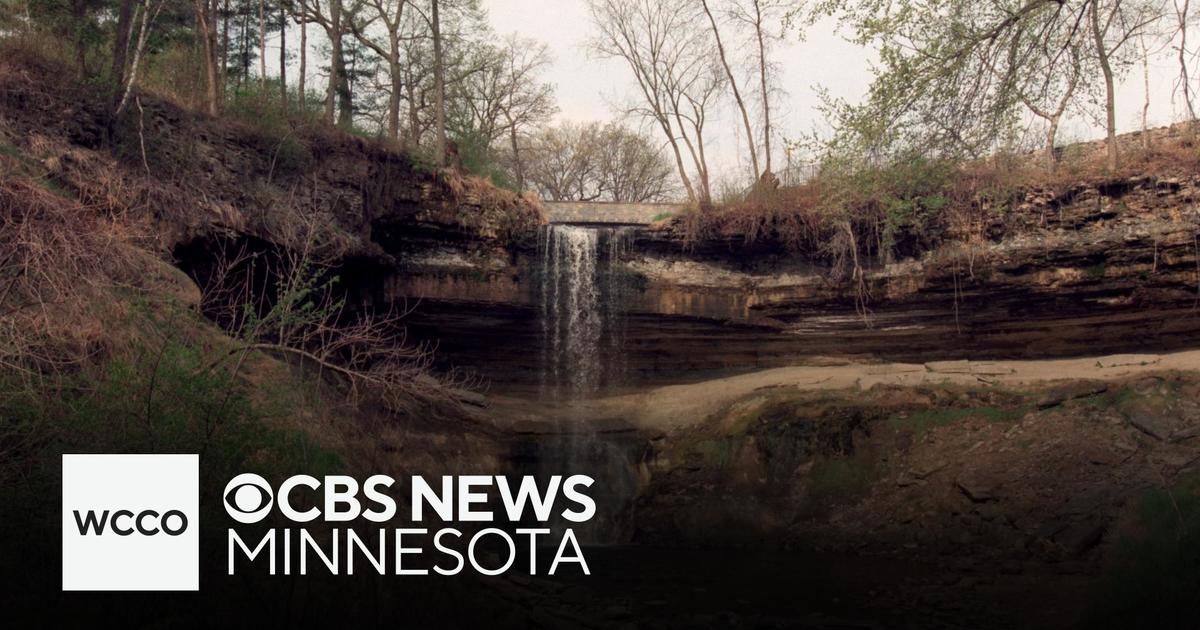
pixel 737 94
pixel 517 166
pixel 687 142
pixel 244 53
pixel 121 41
pixel 1145 103
pixel 79 13
pixel 1051 138
pixel 1184 79
pixel 334 63
pixel 1110 105
pixel 344 96
pixel 303 86
pixel 283 94
pixel 762 68
pixel 138 50
pixel 705 186
pixel 262 45
pixel 224 41
pixel 206 24
pixel 394 73
pixel 414 119
pixel 683 176
pixel 440 89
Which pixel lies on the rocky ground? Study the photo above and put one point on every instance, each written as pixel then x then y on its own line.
pixel 951 494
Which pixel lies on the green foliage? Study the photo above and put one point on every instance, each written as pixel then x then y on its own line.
pixel 478 158
pixel 950 75
pixel 301 300
pixel 911 193
pixel 75 21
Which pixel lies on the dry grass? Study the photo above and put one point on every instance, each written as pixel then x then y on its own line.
pixel 150 163
pixel 59 264
pixel 851 221
pixel 485 208
pixel 910 209
pixel 80 225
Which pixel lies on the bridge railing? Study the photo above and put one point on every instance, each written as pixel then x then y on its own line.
pixel 607 212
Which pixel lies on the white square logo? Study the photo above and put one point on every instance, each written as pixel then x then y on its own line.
pixel 131 522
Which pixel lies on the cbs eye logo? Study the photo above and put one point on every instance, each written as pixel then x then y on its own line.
pixel 248 498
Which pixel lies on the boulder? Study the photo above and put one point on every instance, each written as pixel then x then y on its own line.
pixel 1152 420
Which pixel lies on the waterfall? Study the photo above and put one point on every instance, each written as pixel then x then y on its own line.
pixel 581 292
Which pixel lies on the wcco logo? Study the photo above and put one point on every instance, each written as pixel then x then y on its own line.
pixel 131 523
pixel 94 523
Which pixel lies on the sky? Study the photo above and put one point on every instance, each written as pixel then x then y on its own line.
pixel 592 89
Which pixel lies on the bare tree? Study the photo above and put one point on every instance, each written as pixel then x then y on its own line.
pixel 283 22
pixel 696 91
pixel 418 74
pixel 733 86
pixel 330 15
pixel 1050 55
pixel 561 164
pixel 671 63
pixel 596 162
pixel 1182 19
pixel 149 13
pixel 389 14
pixel 206 25
pixel 528 100
pixel 762 73
pixel 227 14
pixel 302 86
pixel 1053 113
pixel 1145 92
pixel 419 81
pixel 121 36
pixel 1113 24
pixel 757 16
pixel 262 45
pixel 631 167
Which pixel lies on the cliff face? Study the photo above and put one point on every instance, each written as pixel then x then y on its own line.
pixel 1108 266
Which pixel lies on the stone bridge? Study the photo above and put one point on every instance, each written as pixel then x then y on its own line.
pixel 609 213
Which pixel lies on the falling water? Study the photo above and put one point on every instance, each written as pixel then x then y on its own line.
pixel 581 291
pixel 582 318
